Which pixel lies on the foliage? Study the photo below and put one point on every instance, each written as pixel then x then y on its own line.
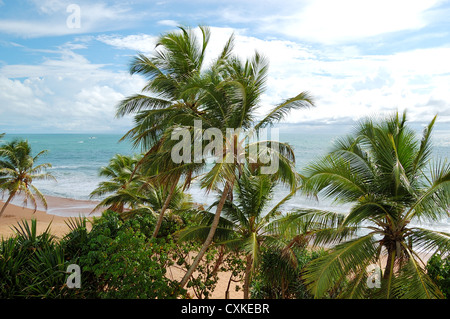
pixel 205 281
pixel 438 268
pixel 216 259
pixel 279 275
pixel 383 170
pixel 18 171
pixel 249 221
pixel 131 190
pixel 122 185
pixel 32 265
pixel 116 258
pixel 120 261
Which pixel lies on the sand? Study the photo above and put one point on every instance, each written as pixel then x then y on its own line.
pixel 60 210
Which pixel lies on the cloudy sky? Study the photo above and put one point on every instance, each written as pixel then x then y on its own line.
pixel 64 64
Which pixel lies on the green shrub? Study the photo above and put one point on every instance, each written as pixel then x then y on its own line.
pixel 127 266
pixel 118 259
pixel 438 269
pixel 32 265
pixel 12 262
pixel 279 275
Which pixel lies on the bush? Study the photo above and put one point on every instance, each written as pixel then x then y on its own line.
pixel 279 275
pixel 32 265
pixel 438 269
pixel 117 260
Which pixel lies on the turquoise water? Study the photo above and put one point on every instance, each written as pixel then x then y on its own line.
pixel 77 158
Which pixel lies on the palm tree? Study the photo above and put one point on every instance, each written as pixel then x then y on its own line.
pixel 382 171
pixel 168 98
pixel 129 190
pixel 225 95
pixel 156 196
pixel 18 172
pixel 249 222
pixel 122 185
pixel 231 101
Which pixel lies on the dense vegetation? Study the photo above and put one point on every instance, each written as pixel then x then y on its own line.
pixel 149 224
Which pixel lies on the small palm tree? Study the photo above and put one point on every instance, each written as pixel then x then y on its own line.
pixel 129 189
pixel 156 194
pixel 249 222
pixel 382 171
pixel 122 186
pixel 18 173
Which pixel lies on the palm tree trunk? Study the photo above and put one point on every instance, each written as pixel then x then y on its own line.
pixel 247 276
pixel 227 292
pixel 219 260
pixel 210 237
pixel 163 209
pixel 389 266
pixel 389 269
pixel 6 203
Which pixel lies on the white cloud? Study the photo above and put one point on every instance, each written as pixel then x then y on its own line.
pixel 347 84
pixel 139 42
pixel 334 22
pixel 64 94
pixel 169 23
pixel 53 19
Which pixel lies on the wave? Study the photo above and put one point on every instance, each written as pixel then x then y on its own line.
pixel 83 166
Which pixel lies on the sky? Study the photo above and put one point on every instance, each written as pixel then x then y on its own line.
pixel 64 64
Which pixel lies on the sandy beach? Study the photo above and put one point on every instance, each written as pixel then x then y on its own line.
pixel 60 210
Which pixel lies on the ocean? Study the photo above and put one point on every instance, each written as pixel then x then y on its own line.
pixel 77 158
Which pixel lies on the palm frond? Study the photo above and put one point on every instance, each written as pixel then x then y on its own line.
pixel 414 283
pixel 349 257
pixel 430 241
pixel 302 100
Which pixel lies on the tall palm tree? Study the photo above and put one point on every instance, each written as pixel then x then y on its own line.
pixel 249 222
pixel 18 173
pixel 231 101
pixel 382 171
pixel 224 95
pixel 168 98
